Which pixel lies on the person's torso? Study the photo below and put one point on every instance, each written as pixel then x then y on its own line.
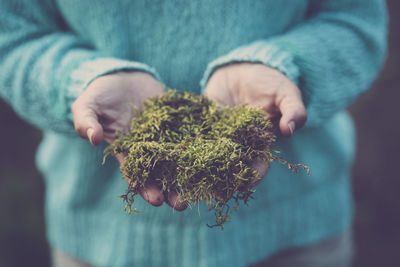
pixel 178 38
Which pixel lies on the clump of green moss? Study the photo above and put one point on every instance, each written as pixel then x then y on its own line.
pixel 185 143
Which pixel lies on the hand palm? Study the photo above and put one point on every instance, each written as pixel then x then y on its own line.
pixel 259 86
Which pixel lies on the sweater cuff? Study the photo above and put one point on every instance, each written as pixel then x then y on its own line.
pixel 257 52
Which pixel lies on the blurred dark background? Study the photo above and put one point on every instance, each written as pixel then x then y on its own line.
pixel 376 175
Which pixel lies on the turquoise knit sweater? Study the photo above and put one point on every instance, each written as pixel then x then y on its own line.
pixel 51 49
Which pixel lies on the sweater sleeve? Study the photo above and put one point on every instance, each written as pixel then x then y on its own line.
pixel 44 67
pixel 333 56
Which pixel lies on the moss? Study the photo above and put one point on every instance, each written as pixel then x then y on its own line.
pixel 186 143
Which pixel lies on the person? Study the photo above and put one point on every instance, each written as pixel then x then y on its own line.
pixel 76 67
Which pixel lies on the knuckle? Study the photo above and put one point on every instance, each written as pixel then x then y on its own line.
pixel 157 203
pixel 74 106
pixel 80 130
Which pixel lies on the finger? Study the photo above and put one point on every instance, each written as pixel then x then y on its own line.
pixel 272 113
pixel 121 158
pixel 262 168
pixel 173 201
pixel 294 114
pixel 86 123
pixel 152 194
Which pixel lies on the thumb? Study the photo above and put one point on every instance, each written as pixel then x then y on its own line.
pixel 294 114
pixel 86 123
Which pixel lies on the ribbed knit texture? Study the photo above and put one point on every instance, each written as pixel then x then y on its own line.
pixel 51 50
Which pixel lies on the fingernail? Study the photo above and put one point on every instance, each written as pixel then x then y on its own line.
pixel 292 127
pixel 90 135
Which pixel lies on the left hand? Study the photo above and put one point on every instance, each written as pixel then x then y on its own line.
pixel 257 85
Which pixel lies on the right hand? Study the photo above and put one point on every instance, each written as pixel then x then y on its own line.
pixel 105 107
